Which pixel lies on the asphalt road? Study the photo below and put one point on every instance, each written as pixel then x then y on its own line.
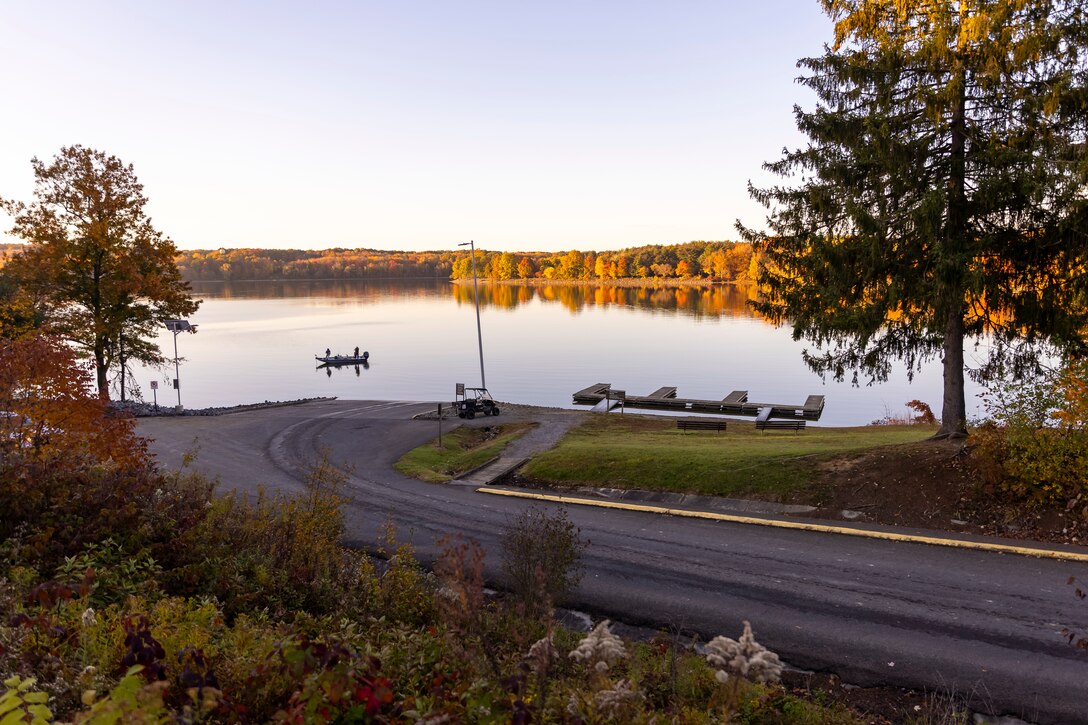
pixel 874 612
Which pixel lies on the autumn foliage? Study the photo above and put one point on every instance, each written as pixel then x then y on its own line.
pixel 62 453
pixel 709 261
pixel 49 411
pixel 1035 445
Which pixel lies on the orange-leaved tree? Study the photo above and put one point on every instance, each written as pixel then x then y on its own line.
pixel 47 407
pixel 71 471
pixel 104 277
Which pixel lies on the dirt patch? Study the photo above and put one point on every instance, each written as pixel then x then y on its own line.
pixel 933 485
pixel 478 436
pixel 878 705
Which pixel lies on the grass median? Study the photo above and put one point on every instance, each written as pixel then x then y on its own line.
pixel 648 452
pixel 463 449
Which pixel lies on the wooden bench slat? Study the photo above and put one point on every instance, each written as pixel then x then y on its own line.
pixel 794 425
pixel 701 424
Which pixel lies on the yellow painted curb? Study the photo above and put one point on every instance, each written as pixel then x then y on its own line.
pixel 822 528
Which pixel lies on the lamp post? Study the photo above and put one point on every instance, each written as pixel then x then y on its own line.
pixel 476 297
pixel 176 326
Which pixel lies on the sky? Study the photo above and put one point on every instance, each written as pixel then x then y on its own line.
pixel 416 124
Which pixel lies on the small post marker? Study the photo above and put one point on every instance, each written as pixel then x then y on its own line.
pixel 439 426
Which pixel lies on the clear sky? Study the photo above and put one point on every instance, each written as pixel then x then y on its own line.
pixel 415 124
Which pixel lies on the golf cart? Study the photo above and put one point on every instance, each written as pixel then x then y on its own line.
pixel 473 401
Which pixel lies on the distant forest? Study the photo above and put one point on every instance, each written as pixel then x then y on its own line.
pixel 7 250
pixel 285 264
pixel 721 261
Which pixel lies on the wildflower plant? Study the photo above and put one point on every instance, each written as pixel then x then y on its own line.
pixel 600 649
pixel 612 702
pixel 744 657
pixel 542 655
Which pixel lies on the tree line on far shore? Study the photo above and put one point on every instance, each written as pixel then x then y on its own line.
pixel 714 261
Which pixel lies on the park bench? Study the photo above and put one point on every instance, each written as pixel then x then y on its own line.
pixel 686 424
pixel 794 425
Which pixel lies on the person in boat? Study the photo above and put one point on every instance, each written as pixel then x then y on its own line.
pixel 356 351
pixel 328 352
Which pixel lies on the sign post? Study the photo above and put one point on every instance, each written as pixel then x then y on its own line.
pixel 439 426
pixel 155 392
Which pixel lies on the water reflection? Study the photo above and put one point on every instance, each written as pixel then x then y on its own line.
pixel 695 301
pixel 329 367
pixel 367 291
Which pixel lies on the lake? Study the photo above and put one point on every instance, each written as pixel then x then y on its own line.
pixel 257 342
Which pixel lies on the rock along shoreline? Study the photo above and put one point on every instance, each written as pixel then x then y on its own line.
pixel 147 410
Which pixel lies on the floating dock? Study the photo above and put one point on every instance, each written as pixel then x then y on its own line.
pixel 736 403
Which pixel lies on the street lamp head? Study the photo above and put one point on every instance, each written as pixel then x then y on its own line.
pixel 466 244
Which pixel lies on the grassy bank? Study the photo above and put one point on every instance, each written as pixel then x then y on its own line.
pixel 462 450
pixel 648 452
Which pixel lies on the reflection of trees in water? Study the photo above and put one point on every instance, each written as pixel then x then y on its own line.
pixel 710 301
pixel 696 301
pixel 362 290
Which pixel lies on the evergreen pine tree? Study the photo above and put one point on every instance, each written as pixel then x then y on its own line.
pixel 942 195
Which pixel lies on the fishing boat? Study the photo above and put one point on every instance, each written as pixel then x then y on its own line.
pixel 343 359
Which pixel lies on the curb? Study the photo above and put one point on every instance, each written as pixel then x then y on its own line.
pixel 802 526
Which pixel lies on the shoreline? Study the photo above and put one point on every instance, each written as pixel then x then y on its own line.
pixel 148 410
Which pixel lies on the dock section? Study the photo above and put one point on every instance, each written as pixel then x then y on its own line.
pixel 736 403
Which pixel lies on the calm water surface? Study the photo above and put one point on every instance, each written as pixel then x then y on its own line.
pixel 257 341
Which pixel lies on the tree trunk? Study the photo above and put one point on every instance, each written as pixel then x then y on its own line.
pixel 121 355
pixel 953 267
pixel 101 369
pixel 954 407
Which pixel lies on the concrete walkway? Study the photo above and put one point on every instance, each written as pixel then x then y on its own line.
pixel 551 426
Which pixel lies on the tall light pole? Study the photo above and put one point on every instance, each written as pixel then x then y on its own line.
pixel 476 297
pixel 176 326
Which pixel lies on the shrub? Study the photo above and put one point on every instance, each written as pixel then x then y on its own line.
pixel 542 558
pixel 282 553
pixel 405 593
pixel 115 575
pixel 20 703
pixel 1035 444
pixel 71 473
pixel 460 569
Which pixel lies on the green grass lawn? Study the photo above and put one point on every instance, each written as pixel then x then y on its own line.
pixel 462 450
pixel 647 452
